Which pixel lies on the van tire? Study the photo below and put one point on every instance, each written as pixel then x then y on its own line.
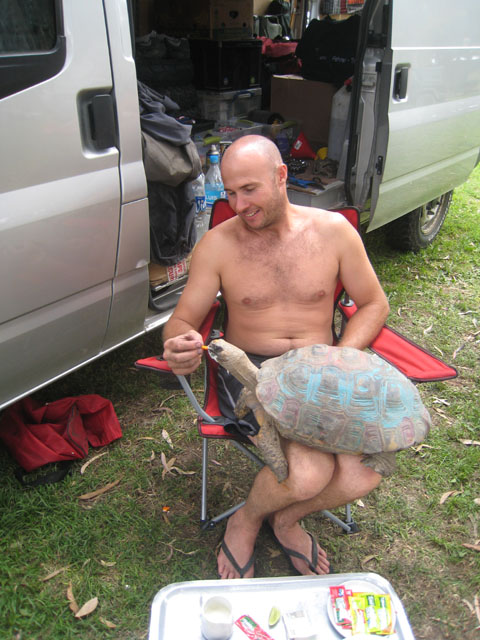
pixel 417 229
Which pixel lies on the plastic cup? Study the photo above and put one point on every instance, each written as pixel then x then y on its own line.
pixel 217 619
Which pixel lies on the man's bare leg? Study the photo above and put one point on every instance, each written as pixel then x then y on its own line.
pixel 351 480
pixel 316 481
pixel 268 496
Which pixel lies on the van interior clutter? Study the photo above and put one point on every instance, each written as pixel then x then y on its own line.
pixel 214 70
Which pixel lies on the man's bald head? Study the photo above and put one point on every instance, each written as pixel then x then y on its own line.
pixel 255 148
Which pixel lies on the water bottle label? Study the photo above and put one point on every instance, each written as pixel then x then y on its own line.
pixel 200 204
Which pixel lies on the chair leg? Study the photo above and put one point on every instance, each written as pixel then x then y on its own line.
pixel 203 513
pixel 348 525
pixel 209 523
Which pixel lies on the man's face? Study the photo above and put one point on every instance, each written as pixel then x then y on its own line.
pixel 254 190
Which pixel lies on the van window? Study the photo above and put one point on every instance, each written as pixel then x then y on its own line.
pixel 32 44
pixel 27 26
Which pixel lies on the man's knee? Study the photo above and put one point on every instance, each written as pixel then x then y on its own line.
pixel 309 472
pixel 354 477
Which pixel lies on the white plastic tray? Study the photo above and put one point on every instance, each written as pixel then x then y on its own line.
pixel 176 608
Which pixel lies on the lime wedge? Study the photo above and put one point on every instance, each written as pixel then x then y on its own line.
pixel 274 617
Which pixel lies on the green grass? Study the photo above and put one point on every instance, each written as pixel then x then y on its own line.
pixel 122 547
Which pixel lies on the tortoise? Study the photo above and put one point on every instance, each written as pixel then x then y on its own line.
pixel 337 399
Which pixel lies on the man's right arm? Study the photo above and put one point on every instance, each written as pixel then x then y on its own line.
pixel 182 342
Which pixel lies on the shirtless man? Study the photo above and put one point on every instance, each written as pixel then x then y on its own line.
pixel 276 265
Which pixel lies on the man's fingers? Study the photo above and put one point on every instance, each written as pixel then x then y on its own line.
pixel 188 343
pixel 184 353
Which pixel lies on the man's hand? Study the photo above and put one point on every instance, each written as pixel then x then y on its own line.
pixel 183 353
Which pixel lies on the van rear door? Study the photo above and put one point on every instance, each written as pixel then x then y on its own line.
pixel 428 113
pixel 59 190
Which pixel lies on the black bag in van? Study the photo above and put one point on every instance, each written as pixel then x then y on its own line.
pixel 327 49
pixel 172 228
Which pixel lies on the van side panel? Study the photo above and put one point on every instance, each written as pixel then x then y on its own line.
pixel 39 344
pixel 434 131
pixel 60 208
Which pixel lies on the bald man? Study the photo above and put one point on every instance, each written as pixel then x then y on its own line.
pixel 276 265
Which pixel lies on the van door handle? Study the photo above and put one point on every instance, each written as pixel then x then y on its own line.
pixel 104 132
pixel 401 82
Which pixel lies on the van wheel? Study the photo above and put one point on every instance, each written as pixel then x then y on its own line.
pixel 417 229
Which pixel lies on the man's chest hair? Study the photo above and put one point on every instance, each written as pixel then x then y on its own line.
pixel 272 276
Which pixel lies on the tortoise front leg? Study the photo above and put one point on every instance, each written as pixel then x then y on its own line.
pixel 268 440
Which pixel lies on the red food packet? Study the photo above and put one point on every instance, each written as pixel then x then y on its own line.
pixel 341 606
pixel 252 629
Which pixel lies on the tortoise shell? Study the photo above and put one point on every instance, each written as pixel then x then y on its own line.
pixel 342 399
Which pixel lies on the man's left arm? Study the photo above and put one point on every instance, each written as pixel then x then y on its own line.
pixel 362 285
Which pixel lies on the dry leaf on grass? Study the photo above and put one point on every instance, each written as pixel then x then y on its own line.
pixel 172 548
pixel 84 466
pixel 54 573
pixel 99 492
pixel 360 503
pixel 448 494
pixel 472 443
pixel 457 351
pixel 166 437
pixel 182 472
pixel 88 608
pixel 107 623
pixel 474 547
pixel 427 330
pixel 107 564
pixel 443 414
pixel 167 464
pixel 476 500
pixel 367 559
pixel 469 605
pixel 477 606
pixel 71 598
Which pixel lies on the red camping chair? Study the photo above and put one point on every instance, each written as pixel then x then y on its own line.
pixel 416 363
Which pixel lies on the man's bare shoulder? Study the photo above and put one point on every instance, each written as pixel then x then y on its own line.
pixel 322 219
pixel 227 231
pixel 217 240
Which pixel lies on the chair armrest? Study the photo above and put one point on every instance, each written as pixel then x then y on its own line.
pixel 411 359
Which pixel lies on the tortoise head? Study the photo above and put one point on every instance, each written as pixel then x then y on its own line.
pixel 224 353
pixel 234 360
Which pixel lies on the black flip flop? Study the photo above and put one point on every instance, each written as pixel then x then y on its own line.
pixel 240 570
pixel 291 553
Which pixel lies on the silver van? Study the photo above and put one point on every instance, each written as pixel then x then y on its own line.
pixel 74 217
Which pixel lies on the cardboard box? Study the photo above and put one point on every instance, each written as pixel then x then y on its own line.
pixel 307 101
pixel 160 275
pixel 212 19
pixel 223 19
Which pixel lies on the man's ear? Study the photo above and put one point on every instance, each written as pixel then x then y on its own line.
pixel 282 174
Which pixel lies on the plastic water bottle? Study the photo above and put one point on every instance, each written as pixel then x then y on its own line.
pixel 213 181
pixel 198 188
pixel 202 217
